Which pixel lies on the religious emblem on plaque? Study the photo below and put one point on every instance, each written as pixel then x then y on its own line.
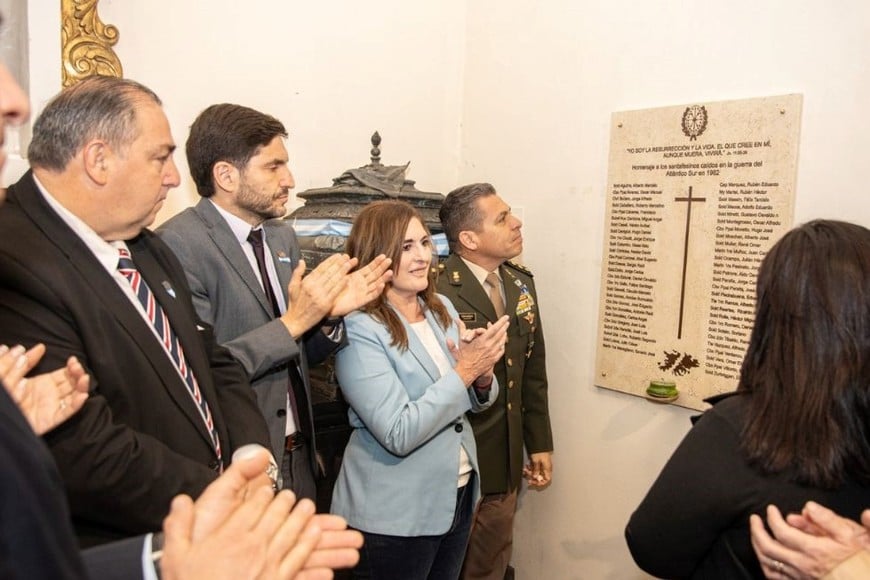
pixel 694 121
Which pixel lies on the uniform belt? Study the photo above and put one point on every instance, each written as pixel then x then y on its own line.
pixel 294 441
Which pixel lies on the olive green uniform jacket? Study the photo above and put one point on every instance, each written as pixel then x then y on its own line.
pixel 520 415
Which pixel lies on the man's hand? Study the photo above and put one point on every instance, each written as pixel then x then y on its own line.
pixel 245 476
pixel 806 545
pixel 338 548
pixel 312 297
pixel 539 470
pixel 46 400
pixel 233 531
pixel 363 285
pixel 260 536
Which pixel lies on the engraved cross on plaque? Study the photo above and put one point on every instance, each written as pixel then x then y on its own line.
pixel 689 201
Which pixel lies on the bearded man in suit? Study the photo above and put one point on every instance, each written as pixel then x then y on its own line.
pixel 245 270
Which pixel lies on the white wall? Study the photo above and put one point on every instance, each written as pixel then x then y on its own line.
pixel 520 94
pixel 42 79
pixel 333 72
pixel 541 82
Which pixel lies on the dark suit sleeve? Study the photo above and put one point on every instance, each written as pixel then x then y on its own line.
pixel 36 536
pixel 237 402
pixel 244 422
pixel 120 560
pixel 114 475
pixel 318 346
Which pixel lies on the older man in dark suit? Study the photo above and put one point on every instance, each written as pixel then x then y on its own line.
pixel 80 273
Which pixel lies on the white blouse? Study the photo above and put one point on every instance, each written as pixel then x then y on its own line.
pixel 427 336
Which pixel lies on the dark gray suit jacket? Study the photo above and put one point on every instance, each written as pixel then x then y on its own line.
pixel 227 294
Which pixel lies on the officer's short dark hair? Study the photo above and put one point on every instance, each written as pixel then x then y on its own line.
pixel 459 211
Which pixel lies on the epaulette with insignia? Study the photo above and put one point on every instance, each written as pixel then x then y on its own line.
pixel 453 276
pixel 519 268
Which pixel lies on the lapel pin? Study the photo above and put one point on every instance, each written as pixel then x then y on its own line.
pixel 168 288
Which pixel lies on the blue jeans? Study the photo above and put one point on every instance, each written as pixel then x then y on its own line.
pixel 385 557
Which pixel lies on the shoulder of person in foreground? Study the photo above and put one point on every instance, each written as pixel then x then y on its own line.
pixel 697 494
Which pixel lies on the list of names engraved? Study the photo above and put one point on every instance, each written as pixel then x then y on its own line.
pixel 628 307
pixel 696 196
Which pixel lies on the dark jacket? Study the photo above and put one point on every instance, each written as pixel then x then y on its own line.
pixel 139 439
pixel 520 415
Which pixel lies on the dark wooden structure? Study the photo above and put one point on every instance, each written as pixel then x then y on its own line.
pixel 350 192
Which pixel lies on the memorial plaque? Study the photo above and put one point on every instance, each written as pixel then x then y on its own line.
pixel 696 195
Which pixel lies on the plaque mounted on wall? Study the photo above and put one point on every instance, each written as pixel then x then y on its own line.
pixel 696 195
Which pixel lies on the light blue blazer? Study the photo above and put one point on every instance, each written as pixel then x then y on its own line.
pixel 401 466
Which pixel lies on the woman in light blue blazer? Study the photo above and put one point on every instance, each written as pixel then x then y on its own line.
pixel 410 372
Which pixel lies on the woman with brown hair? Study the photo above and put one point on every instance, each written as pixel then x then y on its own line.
pixel 798 427
pixel 410 373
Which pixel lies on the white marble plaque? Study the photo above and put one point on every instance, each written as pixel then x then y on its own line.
pixel 696 196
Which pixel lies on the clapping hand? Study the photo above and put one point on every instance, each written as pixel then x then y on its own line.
pixel 806 545
pixel 478 350
pixel 48 399
pixel 363 285
pixel 312 297
pixel 234 531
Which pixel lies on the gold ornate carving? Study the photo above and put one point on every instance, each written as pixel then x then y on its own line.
pixel 86 43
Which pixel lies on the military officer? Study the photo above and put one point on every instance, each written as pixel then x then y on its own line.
pixel 483 284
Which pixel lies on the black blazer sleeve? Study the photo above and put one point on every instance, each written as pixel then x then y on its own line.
pixel 36 538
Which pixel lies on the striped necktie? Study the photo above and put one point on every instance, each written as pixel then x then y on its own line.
pixel 169 340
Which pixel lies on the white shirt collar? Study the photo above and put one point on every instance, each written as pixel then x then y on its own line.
pixel 240 228
pixel 105 252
